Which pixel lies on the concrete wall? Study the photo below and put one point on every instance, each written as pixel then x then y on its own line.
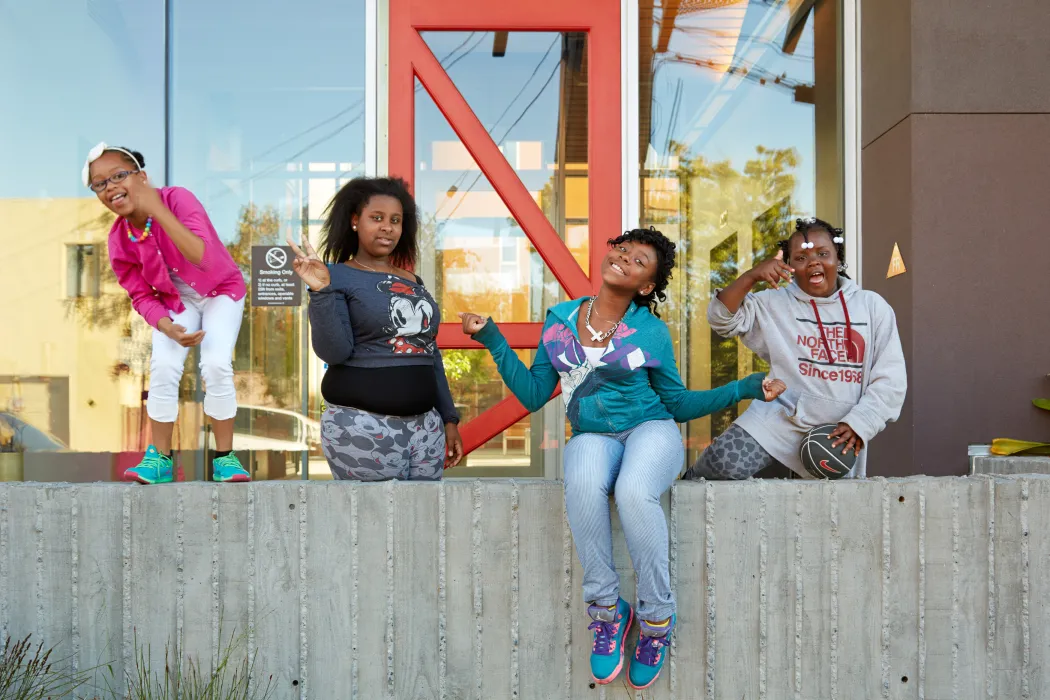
pixel 917 588
pixel 955 118
pixel 1011 465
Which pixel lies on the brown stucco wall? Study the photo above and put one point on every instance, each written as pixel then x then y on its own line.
pixel 956 170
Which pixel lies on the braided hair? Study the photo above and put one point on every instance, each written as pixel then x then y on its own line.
pixel 804 226
pixel 665 254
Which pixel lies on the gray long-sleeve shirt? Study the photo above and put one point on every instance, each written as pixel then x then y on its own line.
pixel 374 319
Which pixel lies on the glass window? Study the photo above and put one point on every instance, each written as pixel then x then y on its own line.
pixel 82 269
pixel 73 74
pixel 740 133
pixel 267 112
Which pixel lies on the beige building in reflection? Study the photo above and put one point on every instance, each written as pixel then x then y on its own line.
pixel 73 357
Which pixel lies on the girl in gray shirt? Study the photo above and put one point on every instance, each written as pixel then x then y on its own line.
pixel 834 344
pixel 390 412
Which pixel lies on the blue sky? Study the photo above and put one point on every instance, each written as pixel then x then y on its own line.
pixel 251 90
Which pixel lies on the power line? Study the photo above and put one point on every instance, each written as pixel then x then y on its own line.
pixel 284 161
pixel 463 176
pixel 502 138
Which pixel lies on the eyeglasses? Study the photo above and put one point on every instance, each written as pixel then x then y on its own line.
pixel 119 176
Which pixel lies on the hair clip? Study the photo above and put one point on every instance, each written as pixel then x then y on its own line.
pixel 838 239
pixel 806 246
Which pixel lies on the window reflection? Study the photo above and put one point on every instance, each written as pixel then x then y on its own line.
pixel 529 90
pixel 265 153
pixel 68 383
pixel 740 134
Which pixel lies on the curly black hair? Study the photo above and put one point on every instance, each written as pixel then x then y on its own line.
pixel 665 259
pixel 340 239
pixel 804 226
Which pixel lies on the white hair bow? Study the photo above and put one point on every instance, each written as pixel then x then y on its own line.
pixel 96 153
pixel 806 245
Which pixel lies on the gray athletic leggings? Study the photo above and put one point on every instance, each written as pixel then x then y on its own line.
pixel 733 455
pixel 372 447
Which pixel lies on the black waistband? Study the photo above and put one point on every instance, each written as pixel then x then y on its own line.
pixel 407 390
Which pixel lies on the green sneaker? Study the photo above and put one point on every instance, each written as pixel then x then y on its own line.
pixel 154 468
pixel 610 627
pixel 229 469
pixel 653 640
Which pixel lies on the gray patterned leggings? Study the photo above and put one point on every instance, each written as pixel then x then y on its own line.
pixel 370 447
pixel 733 455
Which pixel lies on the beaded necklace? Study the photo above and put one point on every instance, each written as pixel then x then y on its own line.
pixel 145 232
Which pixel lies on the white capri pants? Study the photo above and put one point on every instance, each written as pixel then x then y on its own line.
pixel 220 318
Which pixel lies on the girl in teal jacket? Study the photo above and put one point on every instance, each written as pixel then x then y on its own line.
pixel 624 397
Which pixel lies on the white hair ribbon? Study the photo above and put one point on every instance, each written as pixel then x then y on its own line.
pixel 96 153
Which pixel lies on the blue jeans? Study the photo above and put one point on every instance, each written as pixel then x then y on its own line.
pixel 638 465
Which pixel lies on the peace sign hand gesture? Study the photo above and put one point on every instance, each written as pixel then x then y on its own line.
pixel 309 266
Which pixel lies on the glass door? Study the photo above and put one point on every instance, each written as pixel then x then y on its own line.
pixel 503 114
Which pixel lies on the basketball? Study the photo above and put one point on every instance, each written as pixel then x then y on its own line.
pixel 820 459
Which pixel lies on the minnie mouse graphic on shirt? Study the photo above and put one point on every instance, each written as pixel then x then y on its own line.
pixel 411 318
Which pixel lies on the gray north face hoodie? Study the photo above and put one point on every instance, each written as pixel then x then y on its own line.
pixel 851 373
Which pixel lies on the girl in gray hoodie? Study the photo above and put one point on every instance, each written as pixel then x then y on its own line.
pixel 833 343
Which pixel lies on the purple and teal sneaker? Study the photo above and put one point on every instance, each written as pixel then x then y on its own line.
pixel 610 627
pixel 228 469
pixel 154 468
pixel 653 640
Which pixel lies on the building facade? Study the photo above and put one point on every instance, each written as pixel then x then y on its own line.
pixel 530 135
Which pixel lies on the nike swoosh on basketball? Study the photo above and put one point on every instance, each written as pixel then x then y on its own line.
pixel 824 465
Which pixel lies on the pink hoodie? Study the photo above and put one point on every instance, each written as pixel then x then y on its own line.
pixel 143 268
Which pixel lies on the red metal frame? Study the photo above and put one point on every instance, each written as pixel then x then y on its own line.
pixel 410 58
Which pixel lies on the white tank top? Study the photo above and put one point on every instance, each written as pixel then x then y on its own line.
pixel 594 355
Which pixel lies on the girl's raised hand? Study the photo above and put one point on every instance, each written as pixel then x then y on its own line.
pixel 309 266
pixel 472 323
pixel 771 271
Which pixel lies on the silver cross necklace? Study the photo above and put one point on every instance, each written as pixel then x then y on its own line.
pixel 596 336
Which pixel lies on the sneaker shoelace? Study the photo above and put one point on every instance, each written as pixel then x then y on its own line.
pixel 649 649
pixel 228 462
pixel 151 462
pixel 604 633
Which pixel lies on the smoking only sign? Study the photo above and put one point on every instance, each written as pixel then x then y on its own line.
pixel 274 282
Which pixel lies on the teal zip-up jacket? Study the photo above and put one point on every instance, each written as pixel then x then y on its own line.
pixel 635 381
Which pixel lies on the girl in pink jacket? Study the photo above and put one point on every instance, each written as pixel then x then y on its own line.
pixel 182 280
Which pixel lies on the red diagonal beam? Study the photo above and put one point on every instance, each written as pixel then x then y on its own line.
pixel 486 154
pixel 493 422
pixel 520 336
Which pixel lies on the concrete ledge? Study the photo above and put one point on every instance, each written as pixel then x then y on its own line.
pixel 921 587
pixel 1011 465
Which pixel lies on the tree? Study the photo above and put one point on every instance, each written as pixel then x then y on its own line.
pixel 255 226
pixel 267 352
pixel 717 209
